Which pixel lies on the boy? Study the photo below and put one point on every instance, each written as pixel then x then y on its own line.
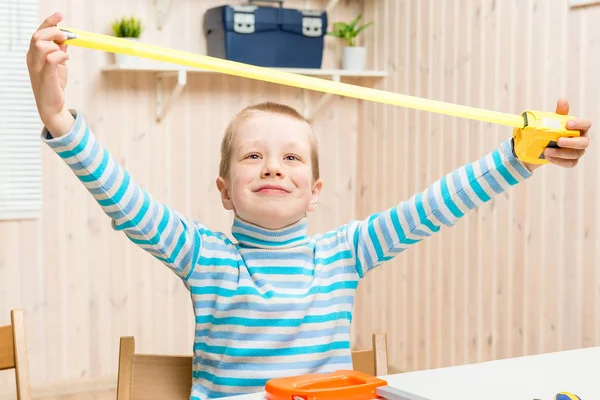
pixel 275 302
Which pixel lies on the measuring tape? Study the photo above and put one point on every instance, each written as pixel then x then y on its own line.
pixel 533 130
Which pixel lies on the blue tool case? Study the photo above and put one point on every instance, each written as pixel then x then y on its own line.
pixel 266 36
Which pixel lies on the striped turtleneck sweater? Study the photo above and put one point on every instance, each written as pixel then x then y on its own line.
pixel 274 303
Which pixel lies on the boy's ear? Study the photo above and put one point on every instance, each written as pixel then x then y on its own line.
pixel 225 197
pixel 314 199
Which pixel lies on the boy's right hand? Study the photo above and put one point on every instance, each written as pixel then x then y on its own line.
pixel 46 62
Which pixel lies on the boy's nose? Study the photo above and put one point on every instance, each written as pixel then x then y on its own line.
pixel 267 174
pixel 272 169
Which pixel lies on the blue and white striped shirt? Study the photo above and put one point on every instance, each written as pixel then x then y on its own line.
pixel 274 303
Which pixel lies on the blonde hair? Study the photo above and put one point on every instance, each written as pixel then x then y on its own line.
pixel 270 107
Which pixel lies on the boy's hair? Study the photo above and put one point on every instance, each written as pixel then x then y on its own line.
pixel 270 107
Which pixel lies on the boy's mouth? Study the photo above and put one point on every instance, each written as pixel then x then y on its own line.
pixel 271 189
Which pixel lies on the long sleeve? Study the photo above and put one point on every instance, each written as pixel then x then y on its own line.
pixel 160 231
pixel 383 235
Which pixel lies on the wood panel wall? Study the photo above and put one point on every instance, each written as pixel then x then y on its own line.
pixel 520 275
pixel 517 276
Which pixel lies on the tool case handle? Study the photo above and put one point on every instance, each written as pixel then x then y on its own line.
pixel 268 1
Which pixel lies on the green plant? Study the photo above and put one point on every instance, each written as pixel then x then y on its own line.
pixel 348 32
pixel 127 27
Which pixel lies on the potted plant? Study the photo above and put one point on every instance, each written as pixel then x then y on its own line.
pixel 128 29
pixel 353 57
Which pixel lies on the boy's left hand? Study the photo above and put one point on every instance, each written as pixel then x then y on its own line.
pixel 571 149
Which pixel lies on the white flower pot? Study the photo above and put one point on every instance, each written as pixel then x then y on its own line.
pixel 354 58
pixel 126 60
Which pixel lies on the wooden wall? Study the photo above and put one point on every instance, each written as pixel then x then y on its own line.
pixel 518 276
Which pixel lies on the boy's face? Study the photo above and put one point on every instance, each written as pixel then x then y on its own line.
pixel 270 182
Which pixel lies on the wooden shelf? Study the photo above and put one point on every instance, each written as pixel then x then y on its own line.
pixel 302 71
pixel 163 70
pixel 163 9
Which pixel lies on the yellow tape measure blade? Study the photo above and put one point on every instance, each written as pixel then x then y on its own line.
pixel 533 130
pixel 117 45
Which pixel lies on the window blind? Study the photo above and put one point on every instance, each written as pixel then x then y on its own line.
pixel 20 126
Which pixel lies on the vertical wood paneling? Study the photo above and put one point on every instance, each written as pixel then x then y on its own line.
pixel 488 87
pixel 520 275
pixel 435 89
pixel 448 88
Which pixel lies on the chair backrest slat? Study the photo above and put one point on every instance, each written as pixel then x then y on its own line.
pixel 161 377
pixel 374 361
pixel 7 348
pixel 13 353
pixel 380 352
pixel 21 358
pixel 364 361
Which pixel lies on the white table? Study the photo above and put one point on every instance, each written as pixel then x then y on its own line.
pixel 522 378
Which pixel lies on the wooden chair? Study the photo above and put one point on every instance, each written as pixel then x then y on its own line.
pixel 13 353
pixel 166 377
pixel 374 361
pixel 149 377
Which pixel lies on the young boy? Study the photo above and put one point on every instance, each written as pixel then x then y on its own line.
pixel 274 302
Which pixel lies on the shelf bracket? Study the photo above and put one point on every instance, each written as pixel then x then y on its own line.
pixel 162 106
pixel 163 7
pixel 310 114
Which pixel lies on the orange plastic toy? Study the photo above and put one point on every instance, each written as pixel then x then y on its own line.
pixel 342 384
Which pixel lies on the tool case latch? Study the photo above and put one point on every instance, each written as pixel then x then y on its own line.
pixel 312 24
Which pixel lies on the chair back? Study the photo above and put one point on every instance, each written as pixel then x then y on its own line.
pixel 167 377
pixel 13 353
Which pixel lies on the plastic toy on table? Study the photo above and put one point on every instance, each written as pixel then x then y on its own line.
pixel 347 385
pixel 342 384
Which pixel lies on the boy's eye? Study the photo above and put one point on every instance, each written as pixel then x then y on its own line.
pixel 292 157
pixel 253 156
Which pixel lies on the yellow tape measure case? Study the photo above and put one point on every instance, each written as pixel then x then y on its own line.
pixel 540 130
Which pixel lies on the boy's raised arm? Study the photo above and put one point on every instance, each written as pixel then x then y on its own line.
pixel 159 230
pixel 165 234
pixel 383 235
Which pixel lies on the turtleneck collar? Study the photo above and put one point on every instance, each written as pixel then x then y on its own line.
pixel 250 235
